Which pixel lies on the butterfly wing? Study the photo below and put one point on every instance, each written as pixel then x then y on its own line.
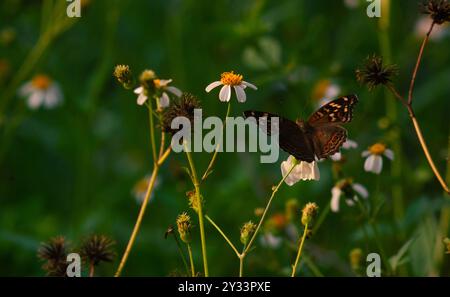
pixel 291 138
pixel 338 111
pixel 328 139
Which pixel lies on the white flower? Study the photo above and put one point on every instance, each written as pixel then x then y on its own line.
pixel 350 190
pixel 162 85
pixel 302 171
pixel 140 188
pixel 271 241
pixel 228 80
pixel 348 144
pixel 324 91
pixel 41 91
pixel 374 161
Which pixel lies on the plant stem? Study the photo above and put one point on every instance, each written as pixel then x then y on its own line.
pixel 300 248
pixel 213 159
pixel 152 129
pixel 191 259
pixel 180 250
pixel 241 265
pixel 223 235
pixel 91 269
pixel 252 239
pixel 200 208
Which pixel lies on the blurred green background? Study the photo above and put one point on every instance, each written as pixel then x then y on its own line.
pixel 71 170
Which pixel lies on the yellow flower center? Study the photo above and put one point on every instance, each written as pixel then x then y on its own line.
pixel 377 149
pixel 41 82
pixel 231 79
pixel 320 89
pixel 157 83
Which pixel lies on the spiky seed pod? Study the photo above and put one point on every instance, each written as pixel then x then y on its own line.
pixel 54 253
pixel 309 212
pixel 375 73
pixel 438 10
pixel 183 107
pixel 184 227
pixel 96 249
pixel 247 231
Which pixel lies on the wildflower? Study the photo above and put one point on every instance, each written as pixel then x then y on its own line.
pixel 124 76
pixel 54 253
pixel 96 249
pixel 375 73
pixel 348 144
pixel 151 84
pixel 309 212
pixel 324 91
pixel 350 190
pixel 228 80
pixel 302 170
pixel 438 10
pixel 270 240
pixel 277 222
pixel 184 107
pixel 41 90
pixel 184 227
pixel 374 161
pixel 258 211
pixel 140 188
pixel 355 257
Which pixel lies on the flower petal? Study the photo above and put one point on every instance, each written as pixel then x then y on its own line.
pixel 164 82
pixel 35 100
pixel 213 85
pixel 389 154
pixel 361 190
pixel 164 100
pixel 365 154
pixel 52 97
pixel 141 99
pixel 225 94
pixel 139 90
pixel 374 163
pixel 240 94
pixel 335 197
pixel 177 92
pixel 336 157
pixel 26 89
pixel 250 85
pixel 348 144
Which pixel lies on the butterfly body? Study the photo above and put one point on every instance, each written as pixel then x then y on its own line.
pixel 320 136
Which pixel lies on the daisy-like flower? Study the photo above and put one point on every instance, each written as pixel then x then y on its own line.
pixel 161 85
pixel 324 91
pixel 351 192
pixel 41 91
pixel 348 144
pixel 269 240
pixel 302 171
pixel 228 80
pixel 374 161
pixel 140 188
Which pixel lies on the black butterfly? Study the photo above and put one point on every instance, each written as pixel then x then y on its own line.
pixel 320 136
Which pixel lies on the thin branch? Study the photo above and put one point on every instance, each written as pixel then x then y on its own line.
pixel 223 235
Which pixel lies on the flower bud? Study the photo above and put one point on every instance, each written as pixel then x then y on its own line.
pixel 309 212
pixel 146 78
pixel 355 258
pixel 124 76
pixel 247 231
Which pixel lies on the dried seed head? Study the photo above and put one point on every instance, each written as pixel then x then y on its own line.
pixel 54 253
pixel 374 73
pixel 438 10
pixel 183 107
pixel 309 212
pixel 247 231
pixel 96 249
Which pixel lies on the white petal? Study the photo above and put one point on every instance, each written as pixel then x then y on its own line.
pixel 336 157
pixel 225 94
pixel 175 91
pixel 295 174
pixel 335 197
pixel 374 163
pixel 240 94
pixel 271 241
pixel 348 144
pixel 365 154
pixel 35 100
pixel 389 154
pixel 247 84
pixel 315 171
pixel 164 100
pixel 213 85
pixel 139 90
pixel 26 89
pixel 350 202
pixel 51 98
pixel 361 190
pixel 164 82
pixel 141 99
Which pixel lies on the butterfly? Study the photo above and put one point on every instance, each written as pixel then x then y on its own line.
pixel 319 137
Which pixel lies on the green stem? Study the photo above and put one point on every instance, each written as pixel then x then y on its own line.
pixel 191 260
pixel 213 159
pixel 300 248
pixel 223 235
pixel 180 250
pixel 200 208
pixel 152 129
